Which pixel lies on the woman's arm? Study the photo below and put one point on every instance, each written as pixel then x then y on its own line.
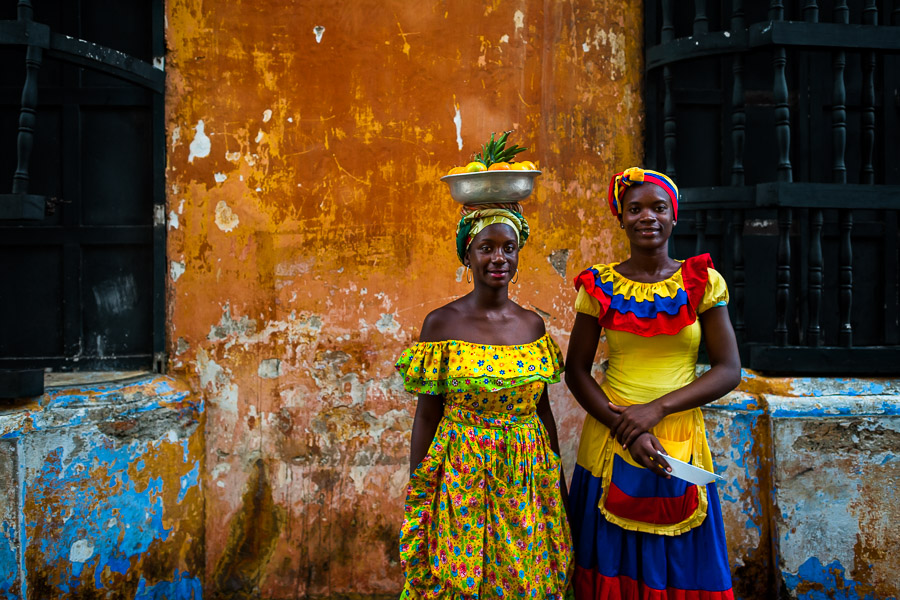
pixel 723 376
pixel 429 411
pixel 429 408
pixel 545 413
pixel 579 362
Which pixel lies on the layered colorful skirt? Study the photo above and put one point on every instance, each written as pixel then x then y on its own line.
pixel 640 536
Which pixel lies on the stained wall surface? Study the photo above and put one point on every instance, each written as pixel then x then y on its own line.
pixel 309 235
pixel 102 492
pixel 809 496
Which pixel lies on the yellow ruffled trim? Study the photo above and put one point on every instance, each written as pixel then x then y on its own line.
pixel 637 290
pixel 458 366
pixel 715 294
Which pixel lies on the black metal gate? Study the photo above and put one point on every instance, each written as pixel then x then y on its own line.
pixel 781 124
pixel 82 233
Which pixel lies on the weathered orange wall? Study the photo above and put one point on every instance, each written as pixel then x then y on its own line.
pixel 309 235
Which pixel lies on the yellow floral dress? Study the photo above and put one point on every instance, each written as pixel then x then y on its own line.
pixel 484 517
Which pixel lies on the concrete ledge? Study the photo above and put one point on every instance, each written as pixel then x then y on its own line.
pixel 835 480
pixel 102 492
pixel 809 502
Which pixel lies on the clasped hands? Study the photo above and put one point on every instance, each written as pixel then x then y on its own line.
pixel 632 429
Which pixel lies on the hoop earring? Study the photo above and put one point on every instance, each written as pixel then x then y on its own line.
pixel 468 275
pixel 621 225
pixel 515 277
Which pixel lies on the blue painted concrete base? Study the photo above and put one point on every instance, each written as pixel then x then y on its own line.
pixel 810 500
pixel 101 493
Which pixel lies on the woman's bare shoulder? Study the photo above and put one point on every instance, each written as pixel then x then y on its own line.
pixel 441 323
pixel 532 322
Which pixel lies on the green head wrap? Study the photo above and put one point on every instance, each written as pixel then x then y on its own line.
pixel 472 223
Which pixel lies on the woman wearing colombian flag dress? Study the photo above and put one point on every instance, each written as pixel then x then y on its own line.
pixel 640 533
pixel 484 516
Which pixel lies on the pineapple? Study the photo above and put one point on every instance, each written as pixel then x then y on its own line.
pixel 496 151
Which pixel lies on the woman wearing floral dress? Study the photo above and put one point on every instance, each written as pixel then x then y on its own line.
pixel 484 515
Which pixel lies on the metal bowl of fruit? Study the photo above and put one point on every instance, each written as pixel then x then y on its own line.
pixel 486 187
pixel 494 176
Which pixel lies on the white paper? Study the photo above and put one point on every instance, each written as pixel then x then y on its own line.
pixel 689 472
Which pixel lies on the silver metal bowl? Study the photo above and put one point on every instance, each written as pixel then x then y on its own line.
pixel 486 187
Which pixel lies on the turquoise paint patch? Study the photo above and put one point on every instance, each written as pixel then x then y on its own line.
pixel 182 587
pixel 82 480
pixel 843 386
pixel 744 417
pixel 832 409
pixel 120 521
pixel 9 572
pixel 192 479
pixel 826 577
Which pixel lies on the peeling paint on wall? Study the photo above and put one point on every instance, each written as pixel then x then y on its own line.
pixel 226 220
pixel 809 500
pixel 312 260
pixel 200 145
pixel 107 492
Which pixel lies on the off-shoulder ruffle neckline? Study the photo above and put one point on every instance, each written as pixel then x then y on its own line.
pixel 542 339
pixel 460 366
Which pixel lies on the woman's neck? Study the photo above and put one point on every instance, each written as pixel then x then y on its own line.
pixel 654 262
pixel 490 299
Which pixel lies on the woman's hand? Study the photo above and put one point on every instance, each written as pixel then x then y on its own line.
pixel 645 452
pixel 634 420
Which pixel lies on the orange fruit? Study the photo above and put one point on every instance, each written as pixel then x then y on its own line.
pixel 500 166
pixel 527 165
pixel 457 170
pixel 475 167
pixel 517 166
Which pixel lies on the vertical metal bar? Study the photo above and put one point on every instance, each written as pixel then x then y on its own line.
pixel 811 11
pixel 159 193
pixel 667 35
pixel 776 10
pixel 782 116
pixel 846 278
pixel 838 175
pixel 72 259
pixel 783 276
pixel 816 268
pixel 28 113
pixel 669 126
pixel 838 104
pixel 867 143
pixel 738 122
pixel 701 22
pixel 73 192
pixel 737 15
pixel 892 310
pixel 24 10
pixel 738 115
pixel 891 239
pixel 784 173
pixel 738 283
pixel 700 226
pixel 867 175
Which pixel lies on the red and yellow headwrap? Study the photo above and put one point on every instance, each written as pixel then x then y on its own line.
pixel 637 176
